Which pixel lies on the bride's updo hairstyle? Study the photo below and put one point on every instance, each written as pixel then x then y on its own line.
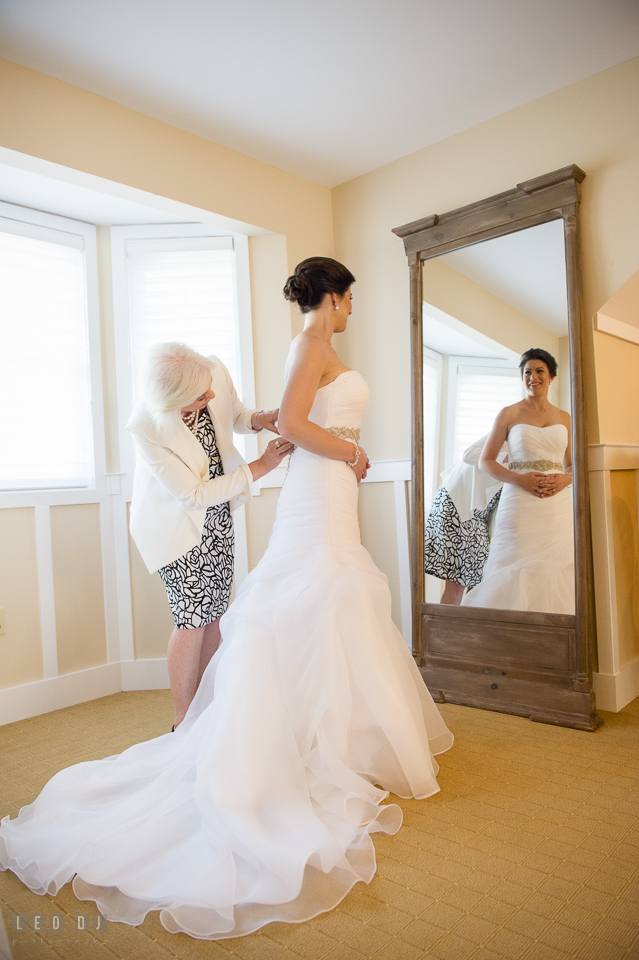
pixel 315 277
pixel 536 353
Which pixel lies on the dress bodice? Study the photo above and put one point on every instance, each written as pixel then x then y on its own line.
pixel 342 402
pixel 537 448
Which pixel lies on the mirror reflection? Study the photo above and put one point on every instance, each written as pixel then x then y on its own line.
pixel 497 457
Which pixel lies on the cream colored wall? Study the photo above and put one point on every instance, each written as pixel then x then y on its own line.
pixel 79 590
pixel 469 302
pixel 623 485
pixel 152 618
pixel 623 305
pixel 20 649
pixel 594 123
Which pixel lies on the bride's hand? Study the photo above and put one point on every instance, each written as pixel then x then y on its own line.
pixel 362 466
pixel 531 482
pixel 553 483
pixel 271 458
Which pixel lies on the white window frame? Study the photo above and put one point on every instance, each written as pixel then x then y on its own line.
pixel 436 360
pixel 93 493
pixel 451 407
pixel 244 325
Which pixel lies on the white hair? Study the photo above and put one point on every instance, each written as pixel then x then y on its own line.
pixel 173 376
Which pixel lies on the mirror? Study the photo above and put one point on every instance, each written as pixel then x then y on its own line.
pixel 503 606
pixel 483 306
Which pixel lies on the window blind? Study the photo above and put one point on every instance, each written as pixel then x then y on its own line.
pixel 182 289
pixel 481 393
pixel 45 390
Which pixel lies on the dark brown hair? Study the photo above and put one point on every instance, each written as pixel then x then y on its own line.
pixel 315 277
pixel 536 353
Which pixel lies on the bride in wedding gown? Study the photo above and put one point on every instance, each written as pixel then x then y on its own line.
pixel 261 806
pixel 531 564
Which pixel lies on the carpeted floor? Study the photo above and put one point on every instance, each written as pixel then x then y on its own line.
pixel 530 851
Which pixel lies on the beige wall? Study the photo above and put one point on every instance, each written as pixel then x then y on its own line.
pixel 469 302
pixel 20 649
pixel 594 123
pixel 76 550
pixel 623 485
pixel 152 618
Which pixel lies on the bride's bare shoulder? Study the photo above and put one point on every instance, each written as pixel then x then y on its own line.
pixel 562 415
pixel 306 351
pixel 511 414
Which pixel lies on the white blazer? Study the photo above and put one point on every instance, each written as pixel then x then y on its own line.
pixel 171 489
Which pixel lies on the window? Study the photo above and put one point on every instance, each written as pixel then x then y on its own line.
pixel 182 289
pixel 477 391
pixel 45 363
pixel 180 282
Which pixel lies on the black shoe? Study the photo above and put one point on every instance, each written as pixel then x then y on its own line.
pixel 173 729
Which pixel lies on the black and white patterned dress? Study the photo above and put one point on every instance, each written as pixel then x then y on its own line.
pixel 199 584
pixel 457 549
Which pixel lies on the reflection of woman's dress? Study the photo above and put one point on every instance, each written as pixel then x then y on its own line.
pixel 260 807
pixel 457 529
pixel 531 561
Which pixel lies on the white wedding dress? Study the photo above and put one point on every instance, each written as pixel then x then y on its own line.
pixel 531 564
pixel 260 807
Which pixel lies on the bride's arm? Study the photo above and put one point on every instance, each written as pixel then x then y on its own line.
pixel 555 482
pixel 306 367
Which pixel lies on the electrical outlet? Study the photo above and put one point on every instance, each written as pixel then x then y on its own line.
pixel 1 621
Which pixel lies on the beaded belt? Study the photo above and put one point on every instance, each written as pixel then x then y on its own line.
pixel 540 465
pixel 345 433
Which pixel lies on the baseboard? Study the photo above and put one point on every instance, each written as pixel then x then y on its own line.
pixel 44 696
pixel 149 674
pixel 614 691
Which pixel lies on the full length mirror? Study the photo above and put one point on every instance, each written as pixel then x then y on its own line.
pixel 484 306
pixel 501 557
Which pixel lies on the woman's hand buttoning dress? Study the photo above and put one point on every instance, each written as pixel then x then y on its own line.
pixel 262 804
pixel 531 562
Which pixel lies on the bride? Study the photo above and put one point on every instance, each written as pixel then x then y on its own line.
pixel 531 562
pixel 261 806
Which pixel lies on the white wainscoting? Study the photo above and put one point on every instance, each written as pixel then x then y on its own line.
pixel 123 671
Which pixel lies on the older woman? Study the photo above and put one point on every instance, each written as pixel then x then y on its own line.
pixel 188 479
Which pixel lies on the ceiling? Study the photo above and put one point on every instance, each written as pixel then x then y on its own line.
pixel 328 89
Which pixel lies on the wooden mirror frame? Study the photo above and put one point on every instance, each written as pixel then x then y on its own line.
pixel 536 665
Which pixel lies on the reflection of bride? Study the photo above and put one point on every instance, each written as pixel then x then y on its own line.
pixel 531 560
pixel 261 805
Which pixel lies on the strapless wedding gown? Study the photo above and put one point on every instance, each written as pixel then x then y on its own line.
pixel 261 806
pixel 531 564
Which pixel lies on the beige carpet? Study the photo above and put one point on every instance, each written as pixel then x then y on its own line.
pixel 530 851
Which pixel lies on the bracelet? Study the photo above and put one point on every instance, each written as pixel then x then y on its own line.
pixel 358 452
pixel 258 428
